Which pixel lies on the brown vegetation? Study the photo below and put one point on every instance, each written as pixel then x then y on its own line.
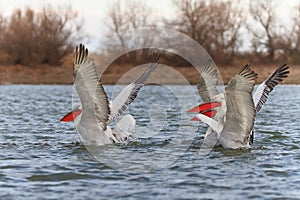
pixel 272 39
pixel 218 26
pixel 214 24
pixel 46 74
pixel 32 38
pixel 35 45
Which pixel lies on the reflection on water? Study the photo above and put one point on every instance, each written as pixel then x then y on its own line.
pixel 42 158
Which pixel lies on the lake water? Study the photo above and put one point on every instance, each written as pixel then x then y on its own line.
pixel 42 158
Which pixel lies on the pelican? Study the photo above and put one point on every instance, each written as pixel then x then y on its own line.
pixel 231 115
pixel 95 113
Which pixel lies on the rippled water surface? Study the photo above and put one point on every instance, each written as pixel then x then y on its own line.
pixel 42 158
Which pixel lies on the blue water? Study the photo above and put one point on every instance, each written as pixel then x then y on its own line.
pixel 42 158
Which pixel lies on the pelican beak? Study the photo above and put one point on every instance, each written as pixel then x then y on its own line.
pixel 71 116
pixel 205 109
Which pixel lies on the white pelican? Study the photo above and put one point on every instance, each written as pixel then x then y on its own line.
pixel 95 113
pixel 230 116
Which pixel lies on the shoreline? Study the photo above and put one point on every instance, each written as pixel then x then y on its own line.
pixel 63 75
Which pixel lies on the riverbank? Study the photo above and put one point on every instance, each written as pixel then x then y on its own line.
pixel 45 74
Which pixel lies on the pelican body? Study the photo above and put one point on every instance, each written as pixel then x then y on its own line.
pixel 93 116
pixel 230 115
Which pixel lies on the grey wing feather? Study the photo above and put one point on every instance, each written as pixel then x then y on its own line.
pixel 129 93
pixel 95 106
pixel 240 107
pixel 262 93
pixel 207 86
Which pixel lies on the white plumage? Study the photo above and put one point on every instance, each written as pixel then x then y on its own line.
pixel 232 125
pixel 97 111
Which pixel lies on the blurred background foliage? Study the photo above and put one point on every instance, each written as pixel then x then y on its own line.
pixel 48 36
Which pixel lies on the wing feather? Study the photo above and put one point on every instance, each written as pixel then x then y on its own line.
pixel 263 91
pixel 240 108
pixel 95 106
pixel 129 93
pixel 207 86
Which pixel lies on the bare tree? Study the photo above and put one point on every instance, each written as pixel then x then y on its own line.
pixel 225 22
pixel 3 55
pixel 273 39
pixel 265 30
pixel 294 42
pixel 58 30
pixel 1 22
pixel 117 23
pixel 192 19
pixel 19 37
pixel 133 15
pixel 213 24
pixel 31 38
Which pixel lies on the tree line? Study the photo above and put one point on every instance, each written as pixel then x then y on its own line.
pixel 221 27
pixel 29 37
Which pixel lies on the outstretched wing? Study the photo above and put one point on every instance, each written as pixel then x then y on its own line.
pixel 207 86
pixel 240 108
pixel 262 93
pixel 95 106
pixel 129 93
